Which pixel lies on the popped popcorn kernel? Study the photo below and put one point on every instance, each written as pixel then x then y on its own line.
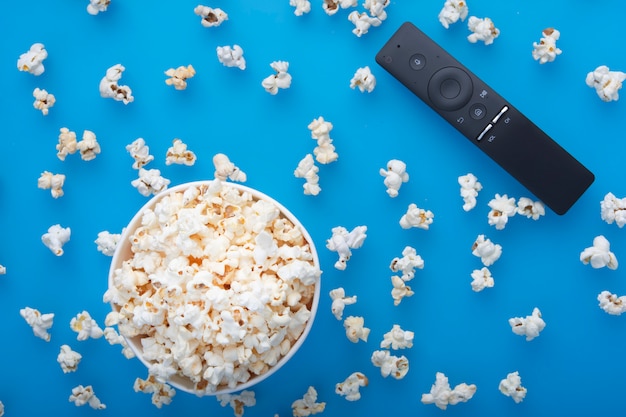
pixel 400 290
pixel 529 326
pixel 340 301
pixel 68 359
pixel 43 100
pixel 531 209
pixel 53 182
pixel 55 238
pixel 612 303
pixel 40 323
pixel 109 87
pixel 470 186
pixel 88 146
pixel 599 255
pixel 442 395
pixel 162 394
pixel 67 143
pixel 416 217
pixel 395 175
pixel 107 242
pixel 482 30
pixel 238 401
pixel 150 182
pixel 308 170
pixel 97 6
pixel 481 279
pixel 452 11
pixel 350 387
pixel 178 76
pixel 364 80
pixel 302 6
pixel 390 365
pixel 613 210
pixel 512 387
pixel 546 50
pixel 211 17
pixel 114 338
pixel 280 80
pixel 355 329
pixel 140 152
pixel 332 6
pixel 179 154
pixel 362 22
pixel 32 60
pixel 502 207
pixel 486 250
pixel 607 83
pixel 407 264
pixel 225 169
pixel 85 395
pixel 85 326
pixel 343 242
pixel 307 405
pixel 376 8
pixel 320 131
pixel 397 338
pixel 231 56
pixel 3 270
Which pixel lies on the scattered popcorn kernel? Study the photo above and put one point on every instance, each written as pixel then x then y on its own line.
pixel 407 264
pixel 397 338
pixel 613 210
pixel 606 82
pixel 482 30
pixel 452 11
pixel 97 6
pixel 486 250
pixel 469 190
pixel 43 100
pixel 531 209
pixel 53 182
pixel 237 401
pixel 481 279
pixel 224 169
pixel 68 359
pixel 400 290
pixel 231 56
pixel 340 301
pixel 416 217
pixel 325 150
pixel 179 76
pixel 599 255
pixel 140 152
pixel 546 50
pixel 85 395
pixel 162 394
pixel 109 87
pixel 364 80
pixel 281 79
pixel 376 8
pixel 302 6
pixel 395 175
pixel 32 61
pixel 114 338
pixel 55 238
pixel 39 322
pixel 611 303
pixel 395 366
pixel 86 327
pixel 350 387
pixel 530 326
pixel 179 154
pixel 1 409
pixel 88 146
pixel 107 242
pixel 343 241
pixel 308 170
pixel 362 22
pixel 210 17
pixel 441 395
pixel 307 405
pixel 150 182
pixel 512 387
pixel 67 143
pixel 332 6
pixel 3 270
pixel 355 329
pixel 502 207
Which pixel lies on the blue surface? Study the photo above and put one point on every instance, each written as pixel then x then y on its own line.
pixel 576 366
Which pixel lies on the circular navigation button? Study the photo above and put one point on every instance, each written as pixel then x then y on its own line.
pixel 477 111
pixel 450 88
pixel 417 61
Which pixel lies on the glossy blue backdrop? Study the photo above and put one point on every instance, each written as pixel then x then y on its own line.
pixel 576 366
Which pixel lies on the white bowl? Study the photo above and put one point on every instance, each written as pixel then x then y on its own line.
pixel 123 253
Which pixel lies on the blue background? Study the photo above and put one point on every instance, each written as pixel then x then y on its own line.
pixel 576 367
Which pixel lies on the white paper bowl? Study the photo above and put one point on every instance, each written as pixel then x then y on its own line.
pixel 123 252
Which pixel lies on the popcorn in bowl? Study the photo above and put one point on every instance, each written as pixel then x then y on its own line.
pixel 214 285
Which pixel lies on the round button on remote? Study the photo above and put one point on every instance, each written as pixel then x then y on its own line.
pixel 417 61
pixel 450 88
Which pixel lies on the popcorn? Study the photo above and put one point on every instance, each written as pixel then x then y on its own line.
pixel 68 359
pixel 325 150
pixel 613 209
pixel 397 338
pixel 349 388
pixel 355 329
pixel 376 8
pixel 512 387
pixel 85 395
pixel 179 76
pixel 407 264
pixel 32 60
pixel 611 303
pixel 210 17
pixel 599 255
pixel 238 401
pixel 362 22
pixel 67 143
pixel 39 322
pixel 89 146
pixel 452 11
pixel 179 154
pixel 97 6
pixel 606 82
pixel 109 87
pixel 364 79
pixel 530 326
pixel 231 56
pixel 302 6
pixel 441 395
pixel 43 100
pixel 343 241
pixel 150 182
pixel 502 207
pixel 162 394
pixel 55 238
pixel 3 270
pixel 400 290
pixel 1 409
pixel 107 242
pixel 85 326
pixel 396 366
pixel 308 170
pixel 340 301
pixel 529 208
pixel 114 338
pixel 282 79
pixel 416 217
pixel 481 279
pixel 307 405
pixel 395 175
pixel 469 190
pixel 332 6
pixel 140 152
pixel 482 30
pixel 53 182
pixel 224 169
pixel 546 50
pixel 486 250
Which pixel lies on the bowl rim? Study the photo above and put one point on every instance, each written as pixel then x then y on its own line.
pixel 177 381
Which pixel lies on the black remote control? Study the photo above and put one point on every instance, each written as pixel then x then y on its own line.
pixel 485 118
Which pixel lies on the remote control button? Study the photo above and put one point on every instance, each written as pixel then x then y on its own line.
pixel 417 61
pixel 478 111
pixel 484 132
pixel 450 88
pixel 499 115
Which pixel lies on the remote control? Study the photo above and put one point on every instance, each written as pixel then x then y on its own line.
pixel 485 118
